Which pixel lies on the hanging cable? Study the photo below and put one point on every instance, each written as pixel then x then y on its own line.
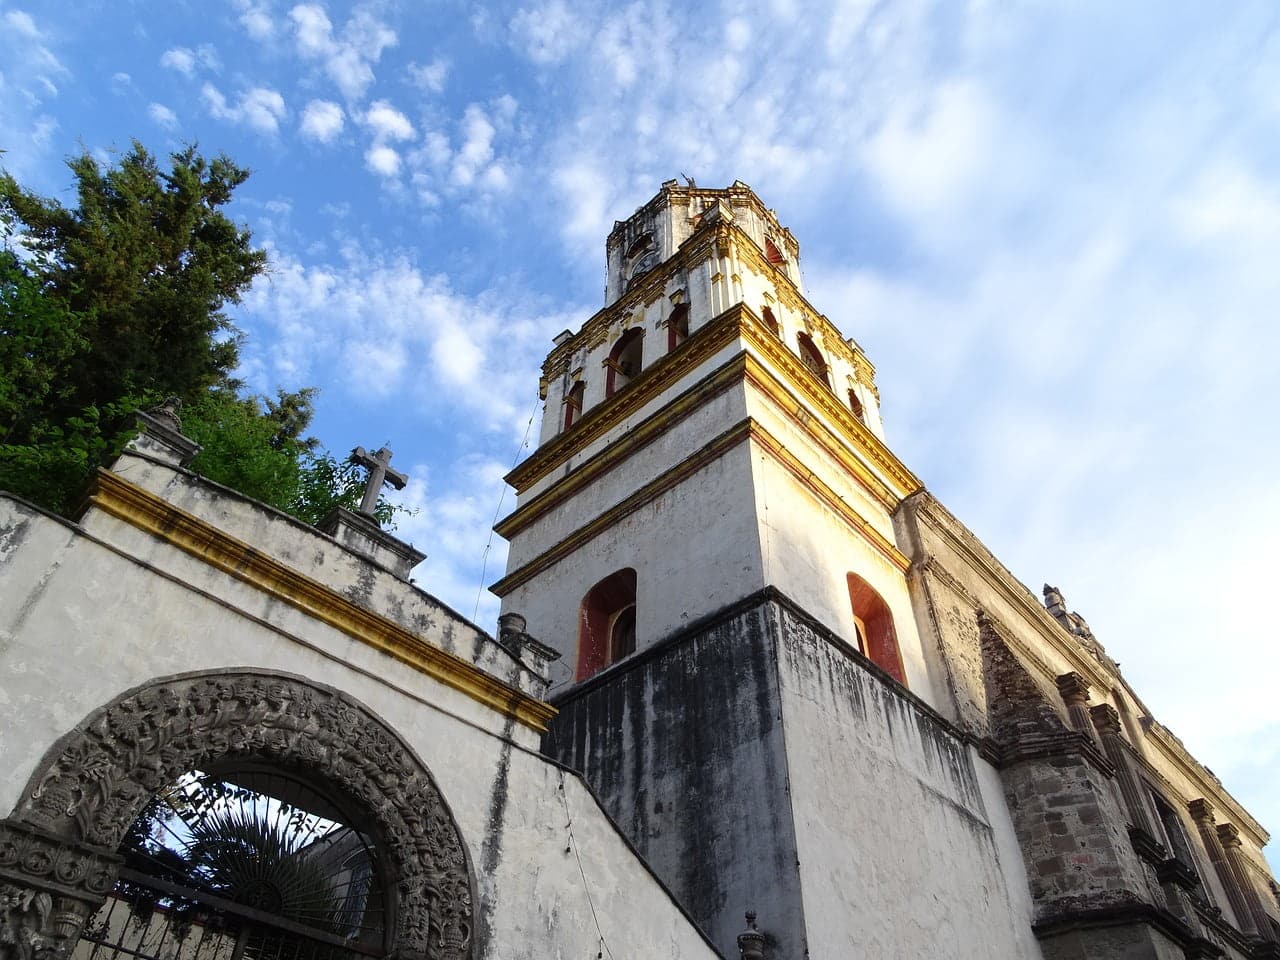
pixel 573 846
pixel 484 559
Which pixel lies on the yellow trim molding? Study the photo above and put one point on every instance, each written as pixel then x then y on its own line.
pixel 630 443
pixel 649 492
pixel 856 521
pixel 142 509
pixel 747 429
pixel 645 386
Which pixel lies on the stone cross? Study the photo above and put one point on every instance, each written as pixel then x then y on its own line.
pixel 380 472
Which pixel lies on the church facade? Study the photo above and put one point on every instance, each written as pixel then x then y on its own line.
pixel 746 663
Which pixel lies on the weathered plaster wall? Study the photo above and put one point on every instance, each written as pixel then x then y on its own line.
pixel 899 855
pixel 672 448
pixel 694 549
pixel 80 624
pixel 684 745
pixel 809 550
pixel 306 550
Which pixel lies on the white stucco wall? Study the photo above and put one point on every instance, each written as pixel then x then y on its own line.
pixel 695 549
pixel 898 855
pixel 80 624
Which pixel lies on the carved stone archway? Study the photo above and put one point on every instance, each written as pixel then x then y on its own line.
pixel 58 856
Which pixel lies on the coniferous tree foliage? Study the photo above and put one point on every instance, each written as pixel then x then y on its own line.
pixel 116 304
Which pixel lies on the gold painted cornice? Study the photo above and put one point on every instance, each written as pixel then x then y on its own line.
pixel 630 443
pixel 867 530
pixel 738 321
pixel 647 384
pixel 142 509
pixel 731 438
pixel 821 398
pixel 747 429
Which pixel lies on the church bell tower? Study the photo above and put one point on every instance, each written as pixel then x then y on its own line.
pixel 706 534
pixel 707 434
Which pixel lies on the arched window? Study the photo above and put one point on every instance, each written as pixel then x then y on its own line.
pixel 876 637
pixel 573 404
pixel 678 326
pixel 770 321
pixel 624 361
pixel 607 623
pixel 811 357
pixel 856 406
pixel 772 253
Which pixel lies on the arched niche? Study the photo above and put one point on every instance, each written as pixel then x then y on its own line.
pixel 624 361
pixel 812 357
pixel 877 638
pixel 607 623
pixel 59 850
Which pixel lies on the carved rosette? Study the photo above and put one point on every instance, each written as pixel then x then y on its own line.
pixel 109 768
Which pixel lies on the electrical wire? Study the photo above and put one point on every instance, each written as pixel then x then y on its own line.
pixel 484 559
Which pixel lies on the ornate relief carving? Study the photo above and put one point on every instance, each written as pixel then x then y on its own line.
pixel 48 886
pixel 123 754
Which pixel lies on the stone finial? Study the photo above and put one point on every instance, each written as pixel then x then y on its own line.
pixel 751 940
pixel 160 435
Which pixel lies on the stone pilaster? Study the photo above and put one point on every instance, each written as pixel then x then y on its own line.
pixel 1202 814
pixel 1074 690
pixel 1230 837
pixel 1106 721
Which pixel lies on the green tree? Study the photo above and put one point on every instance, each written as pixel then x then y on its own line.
pixel 117 304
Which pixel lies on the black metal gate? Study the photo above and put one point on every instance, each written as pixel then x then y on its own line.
pixel 249 865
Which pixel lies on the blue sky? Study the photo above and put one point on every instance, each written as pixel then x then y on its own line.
pixel 1054 228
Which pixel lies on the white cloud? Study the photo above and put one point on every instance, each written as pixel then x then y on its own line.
pixel 322 120
pixel 347 57
pixel 180 59
pixel 383 160
pixel 332 317
pixel 430 77
pixel 259 108
pixel 20 22
pixel 387 123
pixel 549 32
pixel 29 79
pixel 163 116
pixel 184 60
pixel 256 19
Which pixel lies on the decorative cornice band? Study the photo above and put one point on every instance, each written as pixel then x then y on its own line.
pixel 647 493
pixel 647 385
pixel 746 429
pixel 630 443
pixel 140 508
pixel 778 450
pixel 738 321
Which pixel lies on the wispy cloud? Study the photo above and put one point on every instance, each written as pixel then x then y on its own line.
pixel 187 61
pixel 347 56
pixel 260 108
pixel 163 116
